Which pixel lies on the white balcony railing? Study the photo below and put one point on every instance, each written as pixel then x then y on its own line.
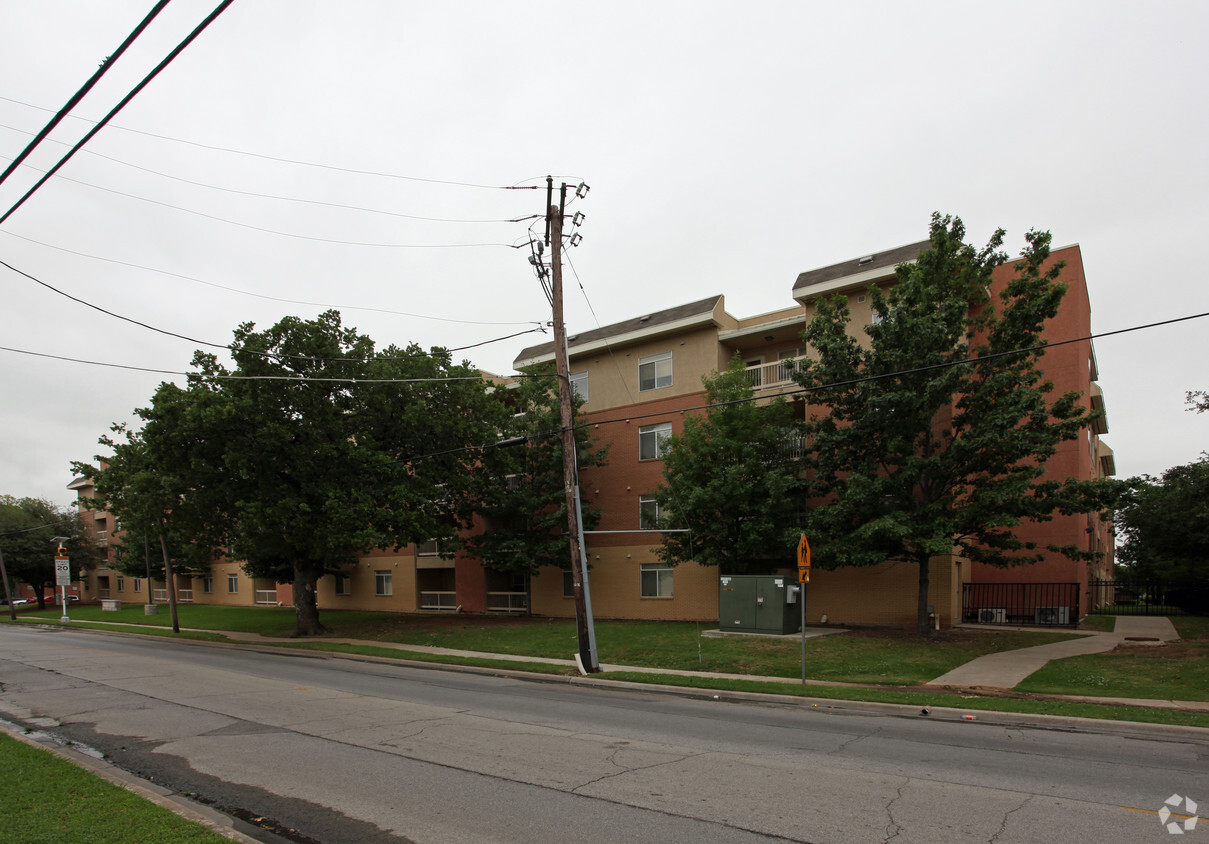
pixel 765 376
pixel 438 601
pixel 507 602
pixel 102 538
pixel 266 596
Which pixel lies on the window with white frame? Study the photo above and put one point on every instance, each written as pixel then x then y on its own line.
pixel 382 583
pixel 342 585
pixel 138 585
pixel 655 371
pixel 652 440
pixel 648 512
pixel 121 584
pixel 656 580
pixel 579 384
pixel 232 583
pixel 208 583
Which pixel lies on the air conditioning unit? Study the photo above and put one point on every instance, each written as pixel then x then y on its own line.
pixel 987 615
pixel 1051 615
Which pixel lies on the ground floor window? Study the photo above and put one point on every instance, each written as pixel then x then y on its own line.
pixel 138 585
pixel 232 583
pixel 656 580
pixel 382 583
pixel 568 583
pixel 342 587
pixel 208 583
pixel 121 584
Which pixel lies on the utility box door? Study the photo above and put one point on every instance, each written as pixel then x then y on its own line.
pixel 752 603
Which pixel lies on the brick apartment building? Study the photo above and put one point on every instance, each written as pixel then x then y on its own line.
pixel 638 377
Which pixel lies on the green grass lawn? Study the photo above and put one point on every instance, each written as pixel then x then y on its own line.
pixel 891 657
pixel 1174 671
pixel 45 799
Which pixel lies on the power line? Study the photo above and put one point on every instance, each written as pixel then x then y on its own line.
pixel 259 295
pixel 84 89
pixel 300 163
pixel 233 377
pixel 218 10
pixel 256 194
pixel 229 346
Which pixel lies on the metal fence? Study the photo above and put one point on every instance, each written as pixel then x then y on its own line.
pixel 1151 597
pixel 1020 603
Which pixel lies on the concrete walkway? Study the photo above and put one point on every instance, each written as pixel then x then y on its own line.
pixel 1007 669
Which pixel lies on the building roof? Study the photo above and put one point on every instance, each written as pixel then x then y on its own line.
pixel 643 326
pixel 863 269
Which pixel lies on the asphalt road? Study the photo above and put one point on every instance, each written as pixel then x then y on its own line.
pixel 346 750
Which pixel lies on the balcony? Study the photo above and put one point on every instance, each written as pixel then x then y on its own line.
pixel 771 376
pixel 508 602
pixel 102 538
pixel 446 601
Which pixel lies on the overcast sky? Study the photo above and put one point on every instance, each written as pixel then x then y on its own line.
pixel 280 163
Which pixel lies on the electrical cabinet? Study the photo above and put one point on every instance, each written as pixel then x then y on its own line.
pixel 758 603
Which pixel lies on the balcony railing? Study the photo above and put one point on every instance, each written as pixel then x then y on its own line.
pixel 765 376
pixel 102 538
pixel 183 596
pixel 507 602
pixel 447 601
pixel 102 593
pixel 266 596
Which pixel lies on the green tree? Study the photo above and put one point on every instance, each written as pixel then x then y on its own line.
pixel 315 447
pixel 517 492
pixel 934 430
pixel 733 479
pixel 1165 526
pixel 27 528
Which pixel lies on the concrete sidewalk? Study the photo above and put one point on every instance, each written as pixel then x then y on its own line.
pixel 1007 669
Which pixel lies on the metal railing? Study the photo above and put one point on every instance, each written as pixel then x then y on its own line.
pixel 765 376
pixel 265 596
pixel 1020 603
pixel 438 601
pixel 102 593
pixel 184 596
pixel 102 538
pixel 159 595
pixel 507 602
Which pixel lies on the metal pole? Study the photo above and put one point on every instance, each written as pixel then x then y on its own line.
pixel 802 601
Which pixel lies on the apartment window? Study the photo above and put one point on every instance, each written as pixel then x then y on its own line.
pixel 138 585
pixel 655 371
pixel 568 583
pixel 656 580
pixel 382 583
pixel 648 512
pixel 652 441
pixel 342 585
pixel 579 384
pixel 121 584
pixel 232 583
pixel 208 583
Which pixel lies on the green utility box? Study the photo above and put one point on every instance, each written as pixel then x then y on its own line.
pixel 759 603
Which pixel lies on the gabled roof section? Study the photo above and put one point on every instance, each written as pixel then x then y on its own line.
pixel 856 272
pixel 640 328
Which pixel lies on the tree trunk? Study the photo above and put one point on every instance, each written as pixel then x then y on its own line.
pixel 305 604
pixel 169 585
pixel 924 628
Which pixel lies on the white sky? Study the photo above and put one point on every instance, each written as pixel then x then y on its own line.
pixel 728 147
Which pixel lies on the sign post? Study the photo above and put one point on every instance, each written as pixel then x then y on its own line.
pixel 803 579
pixel 62 578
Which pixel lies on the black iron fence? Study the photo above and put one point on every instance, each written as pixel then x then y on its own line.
pixel 1148 597
pixel 1020 603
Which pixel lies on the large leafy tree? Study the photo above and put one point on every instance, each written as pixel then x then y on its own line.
pixel 517 492
pixel 733 478
pixel 315 447
pixel 933 429
pixel 1165 526
pixel 27 528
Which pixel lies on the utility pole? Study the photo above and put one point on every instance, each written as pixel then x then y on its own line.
pixel 589 663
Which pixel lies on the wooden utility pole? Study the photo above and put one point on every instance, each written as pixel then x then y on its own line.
pixel 579 568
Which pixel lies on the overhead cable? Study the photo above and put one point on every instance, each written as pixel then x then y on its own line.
pixel 260 295
pixel 84 89
pixel 126 99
